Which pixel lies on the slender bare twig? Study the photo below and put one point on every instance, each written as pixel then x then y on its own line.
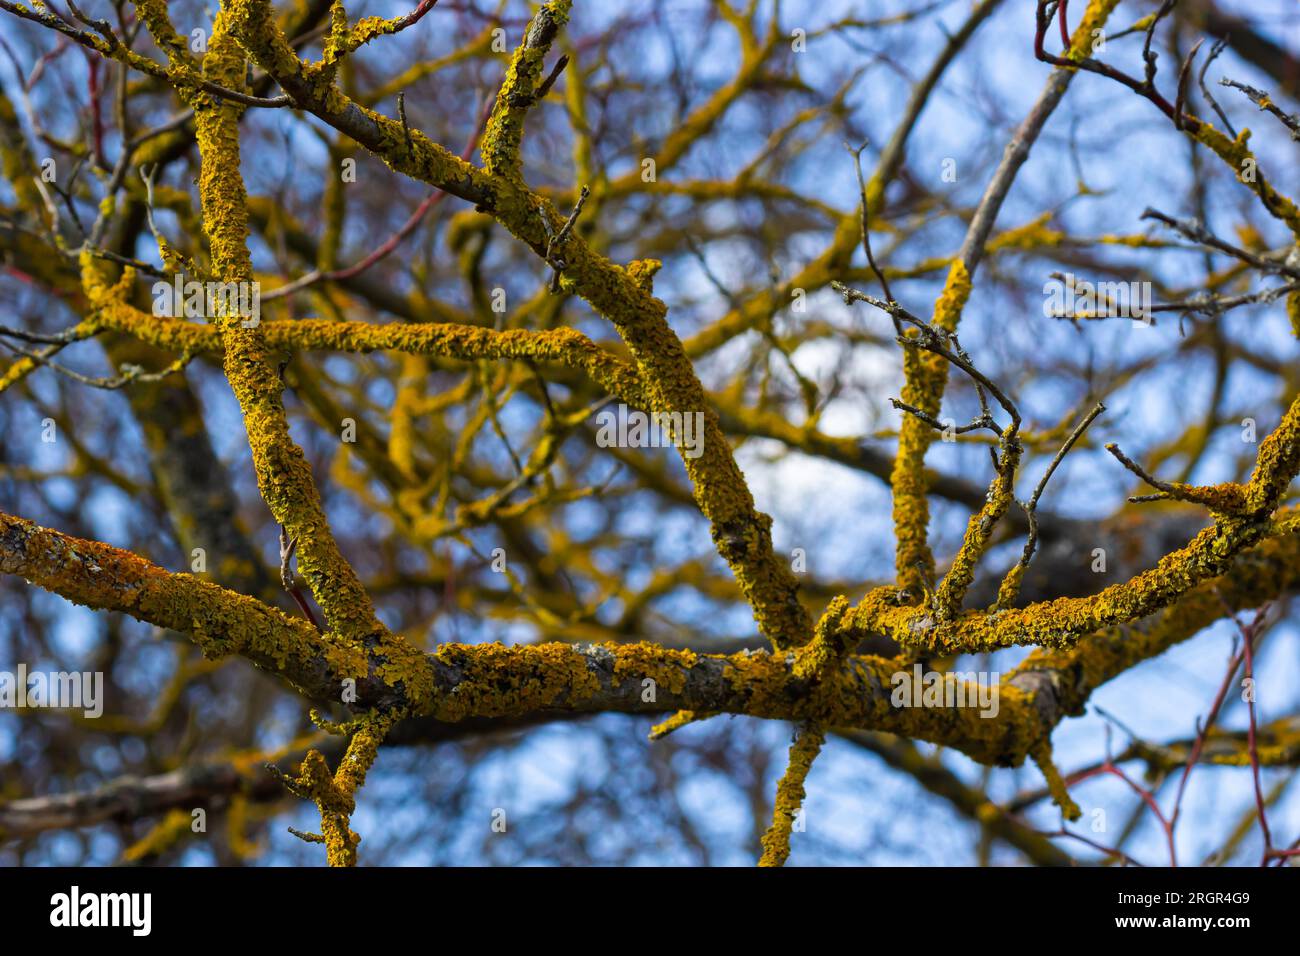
pixel 111 45
pixel 865 227
pixel 58 338
pixel 556 240
pixel 1196 231
pixel 545 86
pixel 1265 102
pixel 129 373
pixel 1224 498
pixel 935 340
pixel 389 245
pixel 1011 583
pixel 1219 46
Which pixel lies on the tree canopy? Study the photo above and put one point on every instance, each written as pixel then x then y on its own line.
pixel 447 394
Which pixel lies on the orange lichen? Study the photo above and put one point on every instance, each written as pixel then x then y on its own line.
pixel 667 668
pixel 496 680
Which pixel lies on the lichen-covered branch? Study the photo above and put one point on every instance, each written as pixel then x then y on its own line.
pixel 283 474
pixel 623 295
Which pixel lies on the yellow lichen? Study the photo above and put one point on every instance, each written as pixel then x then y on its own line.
pixel 790 795
pixel 1042 755
pixel 162 836
pixel 924 378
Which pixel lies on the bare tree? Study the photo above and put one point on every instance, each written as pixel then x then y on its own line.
pixel 436 342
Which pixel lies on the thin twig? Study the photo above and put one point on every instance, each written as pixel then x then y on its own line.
pixel 1011 583
pixel 1265 102
pixel 551 77
pixel 557 239
pixel 866 231
pixel 1219 46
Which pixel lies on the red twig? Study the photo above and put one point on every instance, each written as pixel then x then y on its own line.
pixel 1201 736
pixel 287 547
pixel 1149 799
pixel 1145 87
pixel 1249 634
pixel 38 69
pixel 1100 847
pixel 415 15
pixel 306 608
pixel 1108 766
pixel 96 113
pixel 393 241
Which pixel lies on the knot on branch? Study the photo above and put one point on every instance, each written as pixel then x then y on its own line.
pixel 832 640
